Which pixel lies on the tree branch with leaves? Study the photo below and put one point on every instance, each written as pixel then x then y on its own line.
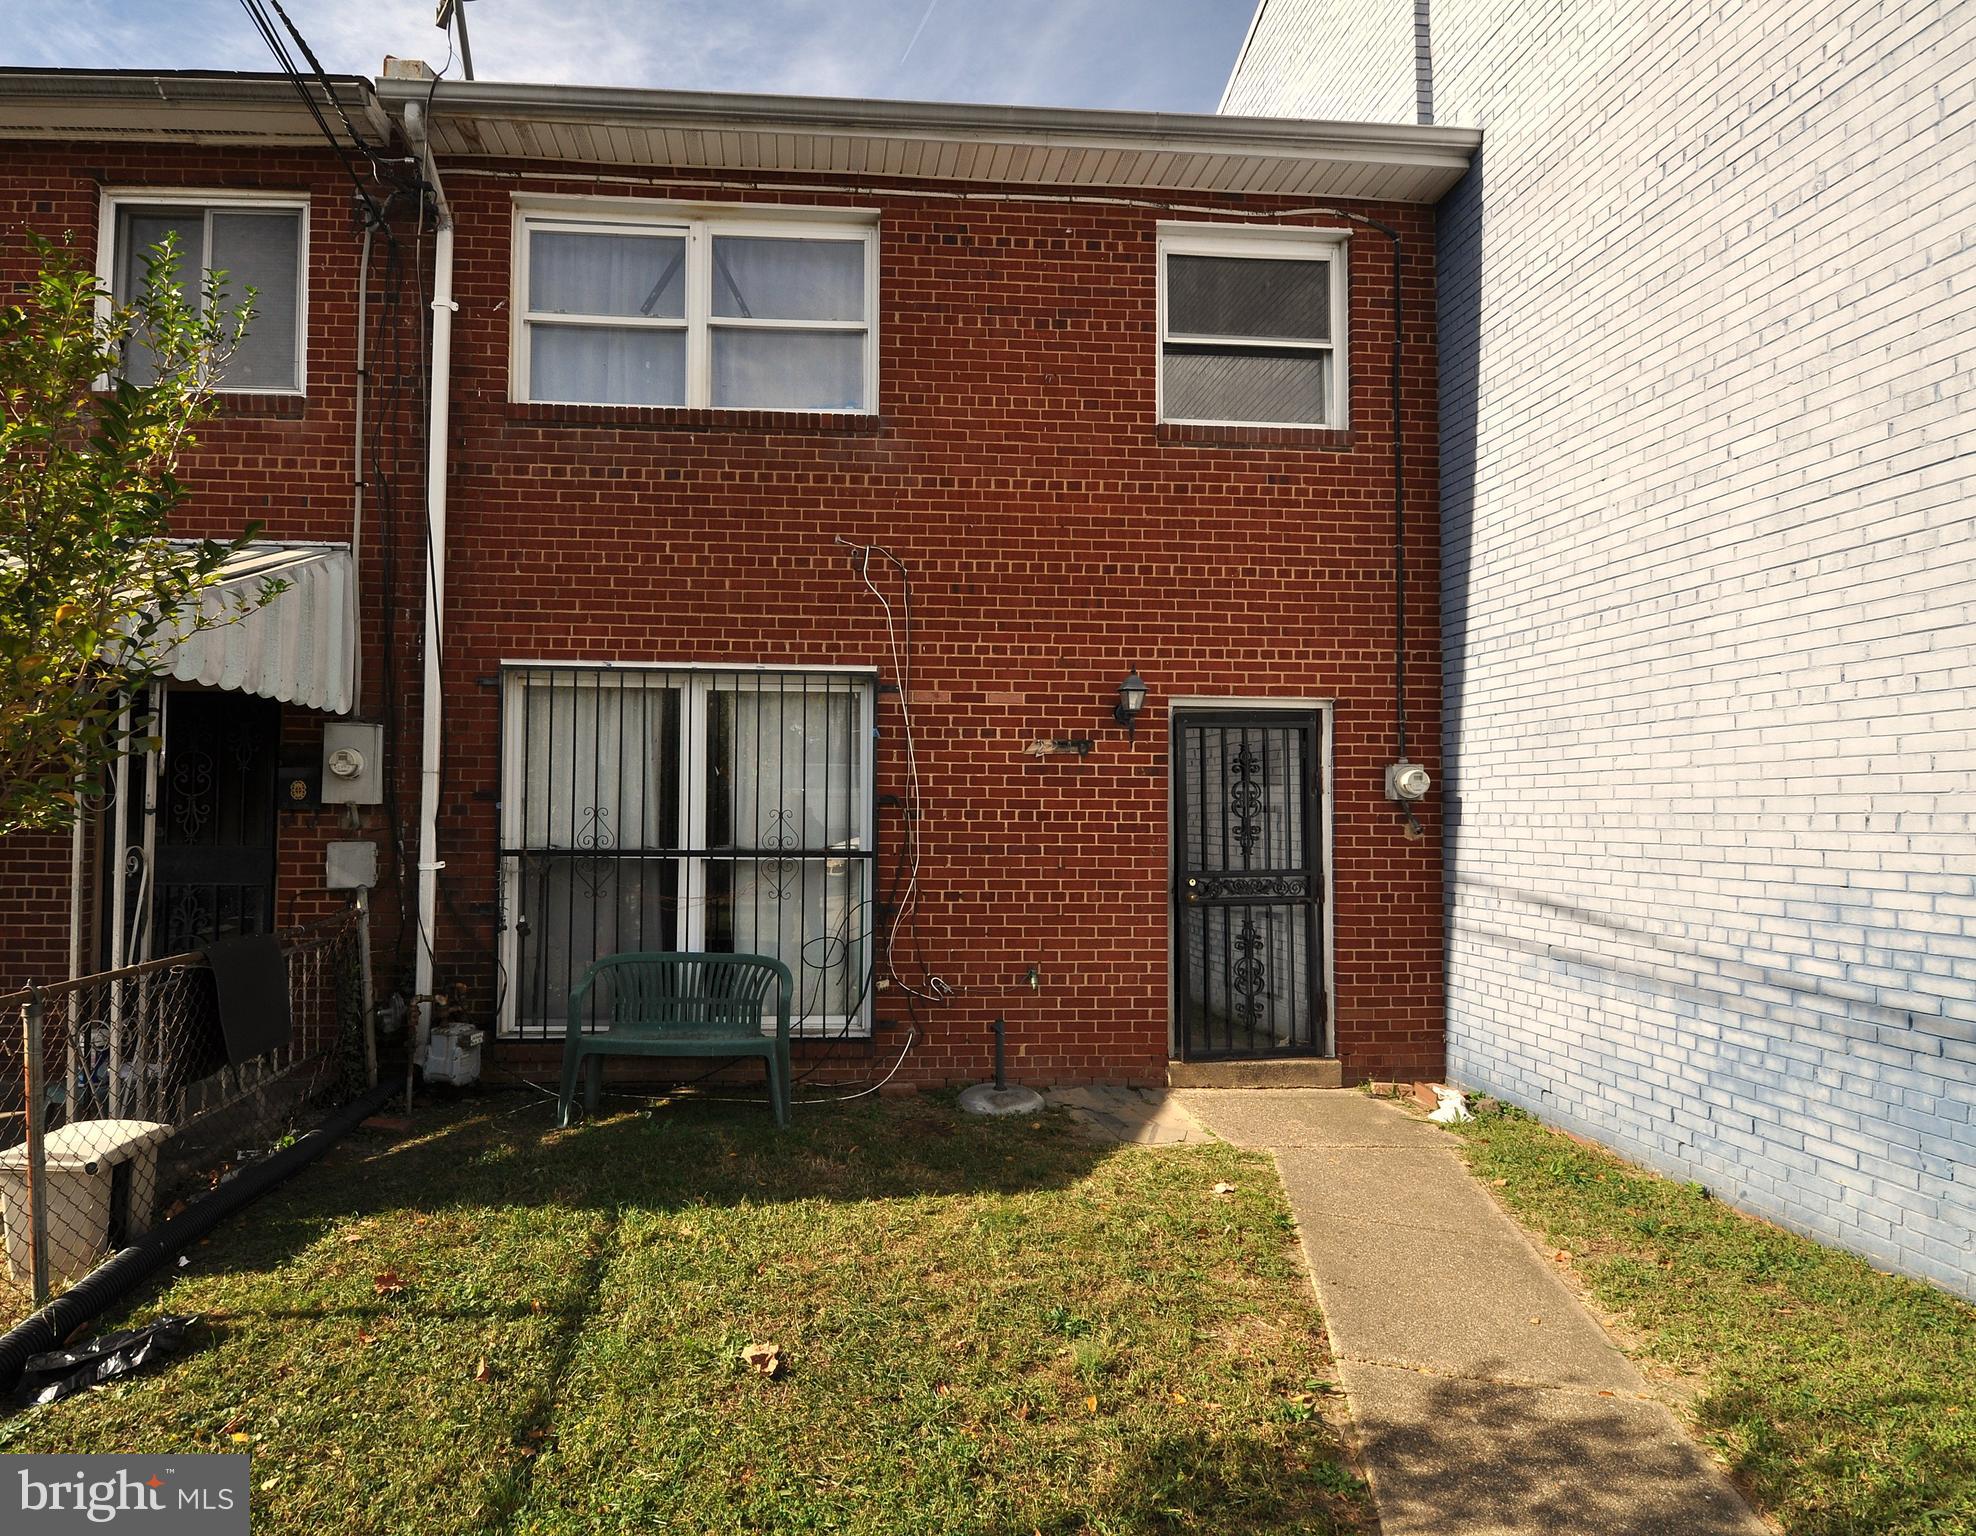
pixel 94 590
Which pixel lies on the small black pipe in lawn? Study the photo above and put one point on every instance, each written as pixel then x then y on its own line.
pixel 114 1279
pixel 1001 1040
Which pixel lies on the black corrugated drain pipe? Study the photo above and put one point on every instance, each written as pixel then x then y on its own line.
pixel 120 1275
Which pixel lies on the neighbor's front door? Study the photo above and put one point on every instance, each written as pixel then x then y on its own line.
pixel 1248 883
pixel 216 819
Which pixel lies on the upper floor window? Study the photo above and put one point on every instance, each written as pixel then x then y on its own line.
pixel 259 243
pixel 1252 327
pixel 748 313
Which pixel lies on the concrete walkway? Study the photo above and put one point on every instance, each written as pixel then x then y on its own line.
pixel 1486 1398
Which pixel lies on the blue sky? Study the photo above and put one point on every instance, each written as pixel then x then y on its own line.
pixel 1171 55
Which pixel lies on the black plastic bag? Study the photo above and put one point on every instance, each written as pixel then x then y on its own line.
pixel 60 1373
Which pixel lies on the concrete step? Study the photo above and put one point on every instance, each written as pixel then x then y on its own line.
pixel 1296 1072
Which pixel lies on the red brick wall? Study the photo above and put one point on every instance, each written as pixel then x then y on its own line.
pixel 285 463
pixel 1056 536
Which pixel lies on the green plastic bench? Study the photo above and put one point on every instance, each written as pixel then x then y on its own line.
pixel 679 1005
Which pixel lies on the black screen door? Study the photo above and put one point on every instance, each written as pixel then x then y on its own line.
pixel 1248 883
pixel 216 819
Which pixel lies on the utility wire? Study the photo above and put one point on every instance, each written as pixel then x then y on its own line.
pixel 264 24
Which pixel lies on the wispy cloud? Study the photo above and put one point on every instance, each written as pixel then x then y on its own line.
pixel 1170 54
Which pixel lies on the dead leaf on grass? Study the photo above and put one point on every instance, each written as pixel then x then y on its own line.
pixel 1091 1404
pixel 388 1284
pixel 766 1359
pixel 482 1372
pixel 1224 1189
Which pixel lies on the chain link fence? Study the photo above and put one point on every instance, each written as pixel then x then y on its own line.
pixel 121 1100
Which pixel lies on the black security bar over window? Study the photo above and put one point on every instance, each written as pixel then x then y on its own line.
pixel 687 809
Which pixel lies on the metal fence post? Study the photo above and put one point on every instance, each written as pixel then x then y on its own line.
pixel 37 1150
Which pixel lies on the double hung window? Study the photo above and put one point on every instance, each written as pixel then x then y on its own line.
pixel 751 314
pixel 259 243
pixel 1252 325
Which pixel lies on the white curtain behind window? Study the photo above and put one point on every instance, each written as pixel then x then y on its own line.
pixel 600 365
pixel 595 757
pixel 789 370
pixel 817 281
pixel 795 783
pixel 635 277
pixel 584 274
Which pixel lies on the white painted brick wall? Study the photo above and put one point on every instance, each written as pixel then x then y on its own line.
pixel 1708 327
pixel 1344 60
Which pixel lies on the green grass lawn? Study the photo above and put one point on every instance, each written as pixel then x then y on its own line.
pixel 988 1327
pixel 1843 1399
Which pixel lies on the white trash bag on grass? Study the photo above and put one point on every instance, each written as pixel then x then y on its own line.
pixel 1451 1107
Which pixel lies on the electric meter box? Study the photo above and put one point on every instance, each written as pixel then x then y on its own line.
pixel 352 763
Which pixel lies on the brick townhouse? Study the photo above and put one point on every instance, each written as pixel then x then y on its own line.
pixel 984 556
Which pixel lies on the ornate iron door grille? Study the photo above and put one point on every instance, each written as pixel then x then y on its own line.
pixel 1248 884
pixel 216 819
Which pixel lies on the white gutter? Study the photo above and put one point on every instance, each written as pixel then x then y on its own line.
pixel 1081 148
pixel 435 587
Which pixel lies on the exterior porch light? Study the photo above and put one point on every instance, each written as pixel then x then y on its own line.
pixel 1131 699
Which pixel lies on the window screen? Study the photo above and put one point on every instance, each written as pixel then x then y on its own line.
pixel 255 248
pixel 1248 339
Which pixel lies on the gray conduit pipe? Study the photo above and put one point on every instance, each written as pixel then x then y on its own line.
pixel 115 1279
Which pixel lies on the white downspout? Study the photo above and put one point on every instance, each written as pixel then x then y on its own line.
pixel 435 587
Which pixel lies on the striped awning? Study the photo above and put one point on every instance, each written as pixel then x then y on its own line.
pixel 300 647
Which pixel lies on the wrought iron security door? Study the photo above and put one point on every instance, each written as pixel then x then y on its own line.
pixel 1248 883
pixel 216 819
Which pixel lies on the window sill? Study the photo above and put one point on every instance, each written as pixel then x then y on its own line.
pixel 1333 438
pixel 676 418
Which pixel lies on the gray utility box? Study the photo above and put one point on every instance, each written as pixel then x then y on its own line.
pixel 352 763
pixel 101 1179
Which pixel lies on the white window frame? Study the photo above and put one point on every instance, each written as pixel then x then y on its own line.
pixel 700 678
pixel 211 200
pixel 1271 243
pixel 699 223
